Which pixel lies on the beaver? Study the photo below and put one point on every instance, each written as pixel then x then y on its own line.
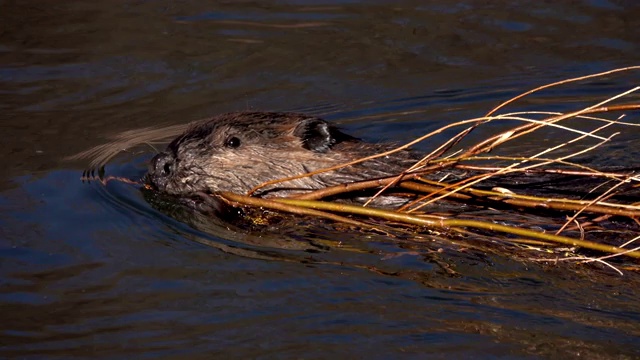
pixel 238 151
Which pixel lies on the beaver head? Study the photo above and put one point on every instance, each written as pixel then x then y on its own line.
pixel 238 151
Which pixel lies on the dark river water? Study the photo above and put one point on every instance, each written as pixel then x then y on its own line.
pixel 92 271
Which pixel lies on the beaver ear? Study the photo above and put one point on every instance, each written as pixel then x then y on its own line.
pixel 316 135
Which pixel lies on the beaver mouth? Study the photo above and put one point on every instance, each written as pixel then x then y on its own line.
pixel 203 202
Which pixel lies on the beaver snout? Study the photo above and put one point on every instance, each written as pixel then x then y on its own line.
pixel 160 169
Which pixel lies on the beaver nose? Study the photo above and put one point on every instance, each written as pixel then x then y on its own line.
pixel 160 169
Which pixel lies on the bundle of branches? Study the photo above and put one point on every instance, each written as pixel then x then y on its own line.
pixel 602 196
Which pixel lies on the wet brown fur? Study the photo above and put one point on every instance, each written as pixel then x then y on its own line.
pixel 270 146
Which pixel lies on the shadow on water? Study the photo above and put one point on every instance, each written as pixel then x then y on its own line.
pixel 88 270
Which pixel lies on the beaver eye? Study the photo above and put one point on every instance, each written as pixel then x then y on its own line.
pixel 167 169
pixel 232 142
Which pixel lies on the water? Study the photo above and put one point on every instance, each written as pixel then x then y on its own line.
pixel 93 271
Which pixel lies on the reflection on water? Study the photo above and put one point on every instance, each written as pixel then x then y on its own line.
pixel 88 270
